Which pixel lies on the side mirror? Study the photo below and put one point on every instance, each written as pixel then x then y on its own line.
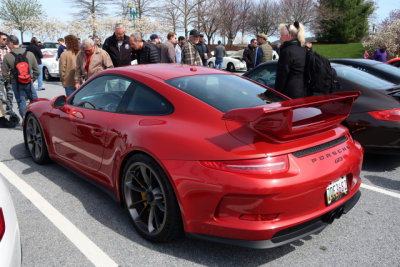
pixel 59 101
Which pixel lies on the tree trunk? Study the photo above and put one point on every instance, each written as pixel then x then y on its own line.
pixel 22 37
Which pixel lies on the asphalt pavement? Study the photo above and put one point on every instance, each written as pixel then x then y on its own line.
pixel 369 235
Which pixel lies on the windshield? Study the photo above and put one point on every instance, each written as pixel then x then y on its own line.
pixel 360 77
pixel 225 92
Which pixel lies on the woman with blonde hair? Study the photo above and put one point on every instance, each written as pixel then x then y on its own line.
pixel 290 77
pixel 67 64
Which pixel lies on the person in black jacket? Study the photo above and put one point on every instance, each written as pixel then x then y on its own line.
pixel 118 47
pixel 35 49
pixel 249 54
pixel 290 78
pixel 144 52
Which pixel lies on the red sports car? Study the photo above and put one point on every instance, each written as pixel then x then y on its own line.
pixel 202 151
pixel 395 62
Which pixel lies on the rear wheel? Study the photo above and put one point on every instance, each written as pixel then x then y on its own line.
pixel 150 200
pixel 211 64
pixel 34 140
pixel 46 74
pixel 230 67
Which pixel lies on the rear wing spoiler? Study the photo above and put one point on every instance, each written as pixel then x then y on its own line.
pixel 296 118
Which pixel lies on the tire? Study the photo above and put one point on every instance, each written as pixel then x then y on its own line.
pixel 34 140
pixel 230 67
pixel 150 200
pixel 46 74
pixel 211 64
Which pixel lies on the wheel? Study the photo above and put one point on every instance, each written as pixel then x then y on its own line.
pixel 211 64
pixel 150 200
pixel 46 74
pixel 34 140
pixel 230 67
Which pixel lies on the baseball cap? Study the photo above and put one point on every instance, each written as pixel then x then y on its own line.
pixel 154 36
pixel 194 32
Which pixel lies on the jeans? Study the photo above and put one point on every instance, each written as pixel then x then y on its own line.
pixel 69 90
pixel 40 78
pixel 218 63
pixel 20 92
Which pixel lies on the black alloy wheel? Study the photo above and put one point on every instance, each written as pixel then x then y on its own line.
pixel 150 200
pixel 34 140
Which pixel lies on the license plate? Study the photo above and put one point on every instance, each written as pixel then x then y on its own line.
pixel 336 190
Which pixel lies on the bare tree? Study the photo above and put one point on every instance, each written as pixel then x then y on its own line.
pixel 230 20
pixel 187 11
pixel 297 10
pixel 206 19
pixel 264 18
pixel 170 15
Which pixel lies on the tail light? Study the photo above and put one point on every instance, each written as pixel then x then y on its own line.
pixel 2 224
pixel 268 165
pixel 386 115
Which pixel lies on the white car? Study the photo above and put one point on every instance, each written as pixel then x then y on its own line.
pixel 10 242
pixel 50 64
pixel 232 62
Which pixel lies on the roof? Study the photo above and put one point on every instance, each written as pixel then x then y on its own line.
pixel 166 71
pixel 357 60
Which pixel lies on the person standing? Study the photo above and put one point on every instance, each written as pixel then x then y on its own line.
pixel 61 47
pixel 190 54
pixel 249 54
pixel 89 61
pixel 264 50
pixel 117 46
pixel 219 53
pixel 35 49
pixel 292 61
pixel 168 49
pixel 203 49
pixel 178 49
pixel 381 54
pixel 145 53
pixel 67 64
pixel 4 50
pixel 10 73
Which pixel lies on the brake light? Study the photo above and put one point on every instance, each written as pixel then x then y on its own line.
pixel 2 224
pixel 268 165
pixel 386 115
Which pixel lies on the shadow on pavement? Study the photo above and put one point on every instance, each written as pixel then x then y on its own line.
pixel 380 163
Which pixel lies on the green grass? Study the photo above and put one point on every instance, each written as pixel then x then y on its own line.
pixel 352 50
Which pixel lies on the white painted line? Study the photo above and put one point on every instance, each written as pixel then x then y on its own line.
pixel 82 242
pixel 381 190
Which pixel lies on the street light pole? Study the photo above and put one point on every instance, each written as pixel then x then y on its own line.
pixel 133 13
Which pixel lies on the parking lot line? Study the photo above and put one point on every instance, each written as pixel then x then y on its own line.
pixel 381 190
pixel 81 241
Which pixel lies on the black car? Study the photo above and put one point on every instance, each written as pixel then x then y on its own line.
pixel 379 69
pixel 375 118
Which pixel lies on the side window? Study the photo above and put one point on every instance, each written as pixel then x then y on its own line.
pixel 103 93
pixel 145 101
pixel 265 75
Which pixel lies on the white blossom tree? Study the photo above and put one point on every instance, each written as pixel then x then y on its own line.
pixel 390 35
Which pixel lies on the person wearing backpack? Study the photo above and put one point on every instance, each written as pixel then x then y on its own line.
pixel 290 77
pixel 20 68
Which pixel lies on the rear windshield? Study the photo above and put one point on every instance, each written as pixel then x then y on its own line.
pixel 363 78
pixel 387 68
pixel 225 92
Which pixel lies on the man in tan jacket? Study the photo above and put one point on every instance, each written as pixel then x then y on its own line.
pixel 90 60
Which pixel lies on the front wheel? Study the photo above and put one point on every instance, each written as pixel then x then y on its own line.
pixel 231 67
pixel 150 200
pixel 211 64
pixel 34 140
pixel 46 74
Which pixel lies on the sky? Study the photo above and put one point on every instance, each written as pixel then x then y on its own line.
pixel 62 9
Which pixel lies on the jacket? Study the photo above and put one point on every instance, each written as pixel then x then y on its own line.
pixel 99 61
pixel 147 55
pixel 122 56
pixel 168 52
pixel 66 67
pixel 190 54
pixel 249 56
pixel 203 51
pixel 219 51
pixel 291 70
pixel 36 51
pixel 9 65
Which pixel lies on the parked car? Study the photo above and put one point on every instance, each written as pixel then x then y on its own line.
pixel 232 62
pixel 377 68
pixel 375 118
pixel 47 45
pixel 200 150
pixel 50 64
pixel 10 242
pixel 394 62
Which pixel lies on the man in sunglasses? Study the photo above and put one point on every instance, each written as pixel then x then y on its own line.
pixel 3 84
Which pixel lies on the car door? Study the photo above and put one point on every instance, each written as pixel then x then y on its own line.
pixel 80 130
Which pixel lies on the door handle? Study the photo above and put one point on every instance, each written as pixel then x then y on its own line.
pixel 97 132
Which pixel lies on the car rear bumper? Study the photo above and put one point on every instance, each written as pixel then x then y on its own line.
pixel 291 234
